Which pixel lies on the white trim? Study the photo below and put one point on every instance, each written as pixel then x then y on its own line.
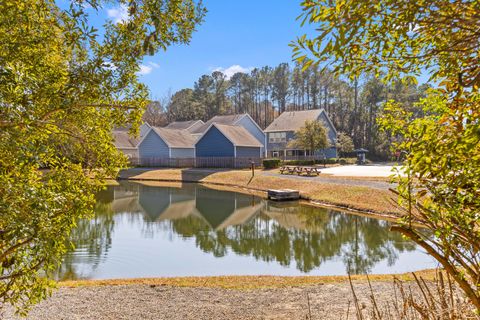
pixel 146 134
pixel 272 131
pixel 258 127
pixel 226 136
pixel 234 150
pixel 205 132
pixel 248 115
pixel 168 146
pixel 329 121
pixel 265 144
pixel 194 124
pixel 146 123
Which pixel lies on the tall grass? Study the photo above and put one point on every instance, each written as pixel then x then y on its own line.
pixel 439 299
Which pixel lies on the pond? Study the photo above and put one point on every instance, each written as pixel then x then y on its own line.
pixel 190 230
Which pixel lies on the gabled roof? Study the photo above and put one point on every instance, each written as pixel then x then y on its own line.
pixel 185 125
pixel 122 140
pixel 294 120
pixel 227 119
pixel 175 138
pixel 237 135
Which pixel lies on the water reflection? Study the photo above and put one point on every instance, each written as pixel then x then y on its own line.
pixel 223 224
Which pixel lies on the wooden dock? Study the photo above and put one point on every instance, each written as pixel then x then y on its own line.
pixel 283 194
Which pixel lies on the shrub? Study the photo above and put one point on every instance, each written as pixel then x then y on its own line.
pixel 271 163
pixel 344 161
pixel 299 162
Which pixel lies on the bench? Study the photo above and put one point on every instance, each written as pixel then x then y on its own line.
pixel 289 169
pixel 309 171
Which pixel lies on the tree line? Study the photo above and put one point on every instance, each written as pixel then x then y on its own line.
pixel 264 93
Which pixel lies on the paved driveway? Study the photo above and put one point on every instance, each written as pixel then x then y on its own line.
pixel 360 171
pixel 343 175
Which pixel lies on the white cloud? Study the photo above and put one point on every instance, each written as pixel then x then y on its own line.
pixel 144 69
pixel 230 71
pixel 119 14
pixel 148 68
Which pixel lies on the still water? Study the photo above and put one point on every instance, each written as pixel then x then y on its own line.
pixel 190 230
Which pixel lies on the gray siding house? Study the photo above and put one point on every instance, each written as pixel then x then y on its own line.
pixel 282 130
pixel 227 141
pixel 162 143
pixel 125 143
pixel 242 120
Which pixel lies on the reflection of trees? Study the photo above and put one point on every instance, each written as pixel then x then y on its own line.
pixel 90 240
pixel 222 222
pixel 361 242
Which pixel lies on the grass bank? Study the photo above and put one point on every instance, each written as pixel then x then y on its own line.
pixel 360 198
pixel 246 282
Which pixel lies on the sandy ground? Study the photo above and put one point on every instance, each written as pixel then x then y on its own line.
pixel 327 301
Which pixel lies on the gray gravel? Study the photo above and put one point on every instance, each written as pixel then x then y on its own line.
pixel 327 301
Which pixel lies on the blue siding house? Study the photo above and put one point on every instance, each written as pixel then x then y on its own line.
pixel 228 141
pixel 162 143
pixel 242 120
pixel 282 130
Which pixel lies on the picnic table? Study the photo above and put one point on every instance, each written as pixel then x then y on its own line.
pixel 308 170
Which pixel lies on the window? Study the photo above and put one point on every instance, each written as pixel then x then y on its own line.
pixel 277 137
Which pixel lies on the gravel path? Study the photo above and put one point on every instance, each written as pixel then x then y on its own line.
pixel 327 301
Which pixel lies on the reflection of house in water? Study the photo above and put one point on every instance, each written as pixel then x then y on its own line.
pixel 219 209
pixel 167 203
pixel 125 198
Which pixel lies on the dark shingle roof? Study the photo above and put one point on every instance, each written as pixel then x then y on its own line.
pixel 122 140
pixel 227 119
pixel 185 125
pixel 176 138
pixel 238 135
pixel 293 120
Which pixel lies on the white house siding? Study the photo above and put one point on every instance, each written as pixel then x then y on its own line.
pixel 182 152
pixel 153 146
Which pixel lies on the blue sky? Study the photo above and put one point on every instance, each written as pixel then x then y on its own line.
pixel 236 35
